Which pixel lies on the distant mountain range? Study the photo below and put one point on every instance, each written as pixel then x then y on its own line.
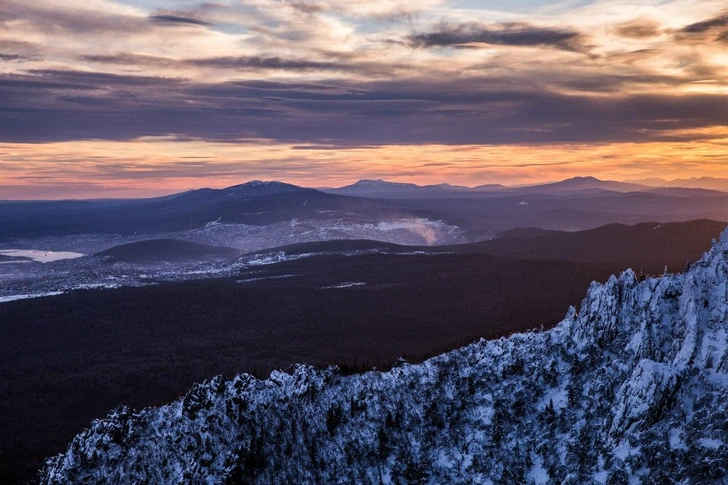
pixel 256 215
pixel 254 203
pixel 584 185
pixel 709 183
pixel 398 190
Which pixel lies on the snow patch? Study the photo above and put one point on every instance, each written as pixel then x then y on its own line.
pixel 262 278
pixel 4 299
pixel 40 255
pixel 344 285
pixel 538 473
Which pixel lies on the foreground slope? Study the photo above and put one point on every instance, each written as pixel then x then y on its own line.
pixel 632 388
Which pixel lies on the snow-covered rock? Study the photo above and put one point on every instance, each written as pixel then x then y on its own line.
pixel 632 388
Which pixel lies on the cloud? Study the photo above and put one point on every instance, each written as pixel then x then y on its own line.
pixel 377 10
pixel 12 57
pixel 714 29
pixel 18 51
pixel 62 105
pixel 177 20
pixel 126 58
pixel 276 63
pixel 245 63
pixel 308 8
pixel 94 80
pixel 638 29
pixel 518 34
pixel 324 73
pixel 46 17
pixel 706 25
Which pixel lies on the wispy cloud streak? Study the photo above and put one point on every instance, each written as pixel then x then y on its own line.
pixel 516 34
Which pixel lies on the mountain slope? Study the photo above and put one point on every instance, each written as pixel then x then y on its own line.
pixel 254 203
pixel 573 210
pixel 577 184
pixel 637 245
pixel 399 190
pixel 631 389
pixel 710 183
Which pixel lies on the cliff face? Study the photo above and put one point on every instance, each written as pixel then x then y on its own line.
pixel 631 389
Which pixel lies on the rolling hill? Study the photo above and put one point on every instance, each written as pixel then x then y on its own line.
pixel 165 251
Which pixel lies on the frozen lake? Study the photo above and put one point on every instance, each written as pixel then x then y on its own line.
pixel 40 255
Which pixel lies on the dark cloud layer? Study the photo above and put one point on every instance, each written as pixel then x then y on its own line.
pixel 706 25
pixel 715 29
pixel 277 63
pixel 247 63
pixel 12 57
pixel 638 29
pixel 511 34
pixel 68 105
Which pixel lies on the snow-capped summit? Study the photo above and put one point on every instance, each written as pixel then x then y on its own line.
pixel 632 388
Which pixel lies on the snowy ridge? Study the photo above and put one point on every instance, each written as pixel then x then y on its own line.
pixel 631 389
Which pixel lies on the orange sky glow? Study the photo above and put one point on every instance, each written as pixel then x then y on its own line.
pixel 158 166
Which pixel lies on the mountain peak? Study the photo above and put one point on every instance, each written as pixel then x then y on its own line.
pixel 261 184
pixel 583 183
pixel 586 178
pixel 378 183
pixel 256 188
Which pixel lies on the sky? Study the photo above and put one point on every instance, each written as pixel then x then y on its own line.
pixel 102 98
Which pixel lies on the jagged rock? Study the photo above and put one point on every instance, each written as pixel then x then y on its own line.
pixel 631 389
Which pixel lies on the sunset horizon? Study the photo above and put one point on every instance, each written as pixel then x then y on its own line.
pixel 140 97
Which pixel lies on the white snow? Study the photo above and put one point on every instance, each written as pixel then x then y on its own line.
pixel 710 443
pixel 4 299
pixel 40 255
pixel 538 473
pixel 557 395
pixel 250 280
pixel 344 285
pixel 601 477
pixel 676 442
